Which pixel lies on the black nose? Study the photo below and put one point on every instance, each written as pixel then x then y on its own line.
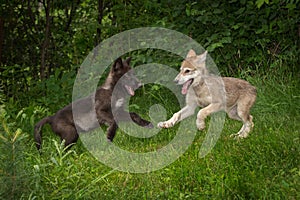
pixel 176 81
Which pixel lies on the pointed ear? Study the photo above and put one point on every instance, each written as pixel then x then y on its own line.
pixel 191 53
pixel 118 64
pixel 128 60
pixel 201 58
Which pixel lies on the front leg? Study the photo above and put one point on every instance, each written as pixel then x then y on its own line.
pixel 140 121
pixel 204 112
pixel 187 111
pixel 171 122
pixel 124 116
pixel 111 131
pixel 107 118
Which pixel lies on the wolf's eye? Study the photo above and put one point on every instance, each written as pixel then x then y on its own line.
pixel 187 71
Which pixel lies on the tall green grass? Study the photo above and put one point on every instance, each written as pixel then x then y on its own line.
pixel 266 165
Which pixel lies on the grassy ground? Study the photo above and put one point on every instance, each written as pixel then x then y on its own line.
pixel 264 166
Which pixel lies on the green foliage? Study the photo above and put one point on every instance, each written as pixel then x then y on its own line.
pixel 12 159
pixel 240 35
pixel 57 89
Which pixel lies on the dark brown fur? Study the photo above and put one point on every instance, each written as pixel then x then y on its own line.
pixel 64 125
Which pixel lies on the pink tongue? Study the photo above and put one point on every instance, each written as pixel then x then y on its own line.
pixel 129 90
pixel 185 87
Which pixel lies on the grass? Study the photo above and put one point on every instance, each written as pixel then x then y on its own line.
pixel 266 165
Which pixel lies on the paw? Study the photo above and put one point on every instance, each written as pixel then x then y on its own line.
pixel 200 125
pixel 239 136
pixel 164 125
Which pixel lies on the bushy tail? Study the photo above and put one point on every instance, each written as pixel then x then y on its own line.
pixel 38 131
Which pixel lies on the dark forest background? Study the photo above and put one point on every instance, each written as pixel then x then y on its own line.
pixel 41 38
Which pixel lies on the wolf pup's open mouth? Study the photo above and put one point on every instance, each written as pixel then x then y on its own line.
pixel 129 90
pixel 186 86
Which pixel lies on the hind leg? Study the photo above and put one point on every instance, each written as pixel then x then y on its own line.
pixel 243 114
pixel 233 113
pixel 66 132
pixel 70 137
pixel 246 128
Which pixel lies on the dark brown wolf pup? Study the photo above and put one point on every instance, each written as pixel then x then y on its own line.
pixel 96 109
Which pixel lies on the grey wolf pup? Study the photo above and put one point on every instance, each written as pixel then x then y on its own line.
pixel 96 109
pixel 213 94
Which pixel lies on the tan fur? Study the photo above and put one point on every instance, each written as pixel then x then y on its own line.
pixel 213 94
